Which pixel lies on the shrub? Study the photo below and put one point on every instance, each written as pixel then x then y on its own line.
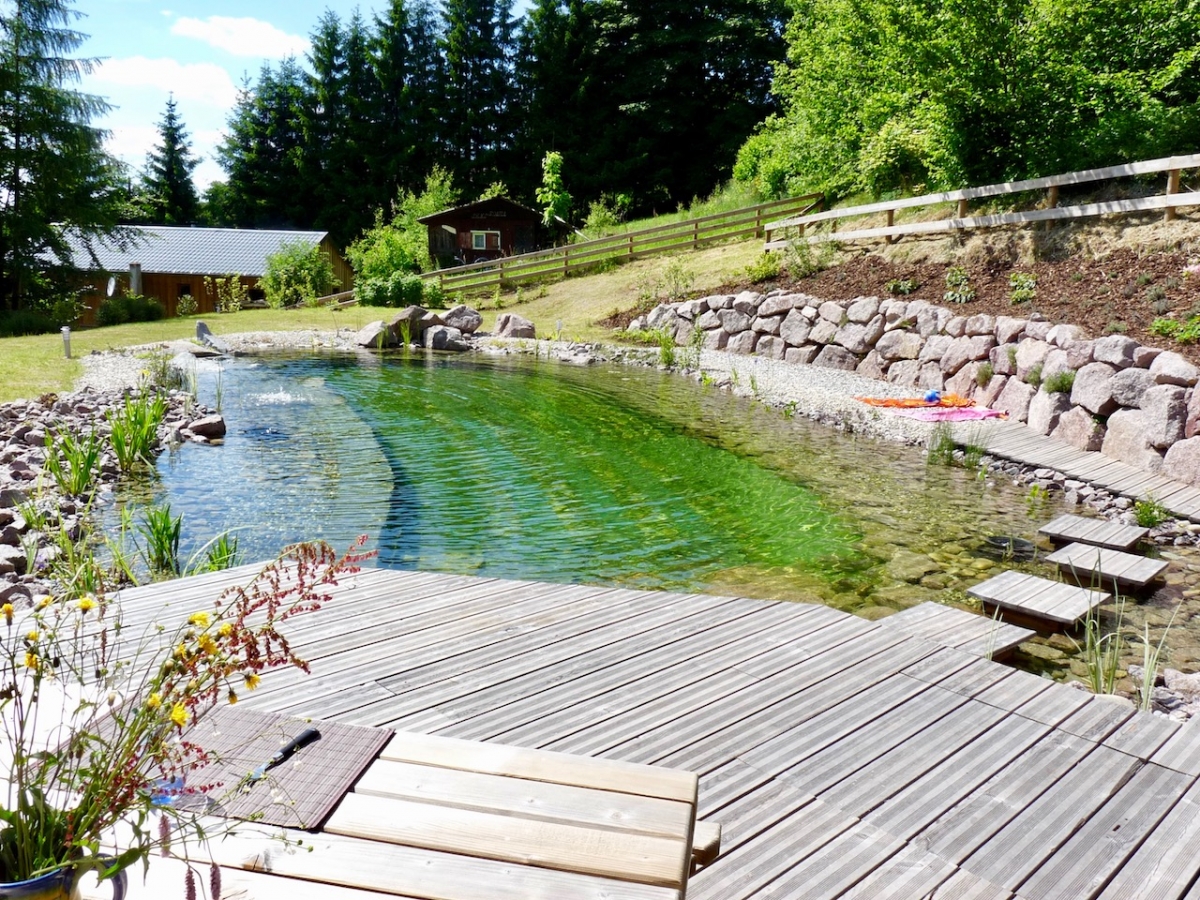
pixel 435 297
pixel 1023 287
pixel 19 322
pixel 1059 382
pixel 984 376
pixel 902 286
pixel 398 289
pixel 1034 376
pixel 1150 513
pixel 186 306
pixel 129 308
pixel 297 274
pixel 402 245
pixel 764 268
pixel 228 294
pixel 958 286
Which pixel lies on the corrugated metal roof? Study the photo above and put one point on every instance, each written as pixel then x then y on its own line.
pixel 194 251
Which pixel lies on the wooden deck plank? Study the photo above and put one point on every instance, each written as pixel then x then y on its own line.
pixel 1142 734
pixel 1033 596
pixel 1086 564
pixel 1181 751
pixel 839 865
pixel 1167 861
pixel 1098 718
pixel 1023 844
pixel 1053 706
pixel 908 874
pixel 958 628
pixel 1014 691
pixel 1084 864
pixel 965 886
pixel 1101 532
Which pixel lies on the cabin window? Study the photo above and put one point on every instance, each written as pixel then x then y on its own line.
pixel 184 290
pixel 485 240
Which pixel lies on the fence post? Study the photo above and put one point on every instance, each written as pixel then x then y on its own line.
pixel 566 260
pixel 1052 196
pixel 891 220
pixel 1172 188
pixel 962 209
pixel 630 254
pixel 758 229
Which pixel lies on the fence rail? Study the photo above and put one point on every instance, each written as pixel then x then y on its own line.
pixel 1168 201
pixel 559 261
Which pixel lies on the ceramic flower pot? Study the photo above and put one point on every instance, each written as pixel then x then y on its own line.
pixel 59 885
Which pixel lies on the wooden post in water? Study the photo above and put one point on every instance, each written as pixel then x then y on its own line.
pixel 1172 188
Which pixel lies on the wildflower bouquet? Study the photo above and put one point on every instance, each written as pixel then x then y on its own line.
pixel 94 704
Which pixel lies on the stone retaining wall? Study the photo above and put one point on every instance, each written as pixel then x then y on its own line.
pixel 1134 403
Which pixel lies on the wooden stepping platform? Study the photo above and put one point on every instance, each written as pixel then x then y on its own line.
pixel 962 630
pixel 1084 563
pixel 1039 598
pixel 1098 532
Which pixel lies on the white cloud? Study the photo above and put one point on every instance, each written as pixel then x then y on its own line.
pixel 242 37
pixel 205 83
pixel 132 143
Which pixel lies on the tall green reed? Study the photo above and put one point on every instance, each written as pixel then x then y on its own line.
pixel 161 532
pixel 134 427
pixel 73 461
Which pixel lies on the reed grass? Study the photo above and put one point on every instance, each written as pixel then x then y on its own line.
pixel 161 532
pixel 73 462
pixel 135 429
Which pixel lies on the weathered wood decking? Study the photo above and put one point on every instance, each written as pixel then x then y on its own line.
pixel 1038 598
pixel 843 758
pixel 1068 528
pixel 1012 440
pixel 1089 565
pixel 962 630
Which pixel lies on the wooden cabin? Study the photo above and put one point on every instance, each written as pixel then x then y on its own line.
pixel 483 230
pixel 175 261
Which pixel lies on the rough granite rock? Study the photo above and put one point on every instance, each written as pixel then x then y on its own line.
pixel 743 342
pixel 985 395
pixel 823 332
pixel 443 337
pixel 1115 349
pixel 1031 353
pixel 1015 399
pixel 709 321
pixel 1045 410
pixel 1093 389
pixel 720 301
pixel 468 320
pixel 747 302
pixel 832 312
pixel 374 335
pixel 872 366
pixel 863 310
pixel 777 304
pixel 859 338
pixel 963 382
pixel 832 356
pixel 795 328
pixel 1126 440
pixel 895 345
pixel 513 326
pixel 770 346
pixel 1182 461
pixel 904 372
pixel 1165 414
pixel 1171 368
pixel 801 356
pixel 931 320
pixel 981 324
pixel 935 348
pixel 1062 335
pixel 1009 329
pixel 931 377
pixel 716 340
pixel 1004 359
pixel 1129 385
pixel 963 350
pixel 1079 429
pixel 767 324
pixel 734 320
pixel 208 426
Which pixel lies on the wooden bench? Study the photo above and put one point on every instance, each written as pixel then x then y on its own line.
pixel 463 820
pixel 1038 600
pixel 1099 565
pixel 1069 528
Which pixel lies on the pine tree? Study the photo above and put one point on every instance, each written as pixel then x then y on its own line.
pixel 54 173
pixel 168 195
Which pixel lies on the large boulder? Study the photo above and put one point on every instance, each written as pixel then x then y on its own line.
pixel 375 335
pixel 465 319
pixel 963 350
pixel 1045 410
pixel 1165 413
pixel 743 342
pixel 209 427
pixel 863 310
pixel 1182 461
pixel 980 325
pixel 767 324
pixel 1115 349
pixel 1009 329
pixel 832 312
pixel 1126 440
pixel 795 328
pixel 872 366
pixel 408 321
pixel 801 356
pixel 1171 368
pixel 770 346
pixel 734 320
pixel 777 304
pixel 1129 385
pixel 1031 354
pixel 1093 389
pixel 443 337
pixel 1015 399
pixel 1079 428
pixel 859 337
pixel 904 372
pixel 895 345
pixel 511 325
pixel 835 357
pixel 747 302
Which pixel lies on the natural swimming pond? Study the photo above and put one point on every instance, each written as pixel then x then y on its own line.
pixel 511 467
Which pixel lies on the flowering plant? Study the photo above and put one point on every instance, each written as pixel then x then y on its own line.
pixel 94 704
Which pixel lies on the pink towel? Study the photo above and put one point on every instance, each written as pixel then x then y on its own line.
pixel 948 414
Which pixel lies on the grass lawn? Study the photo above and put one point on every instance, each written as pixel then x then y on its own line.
pixel 32 366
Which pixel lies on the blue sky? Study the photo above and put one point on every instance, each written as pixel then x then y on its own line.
pixel 200 50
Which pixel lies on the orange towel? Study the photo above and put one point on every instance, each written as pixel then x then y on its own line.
pixel 946 400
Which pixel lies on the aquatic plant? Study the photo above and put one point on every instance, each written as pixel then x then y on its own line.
pixel 1100 652
pixel 73 461
pixel 134 429
pixel 1150 513
pixel 161 532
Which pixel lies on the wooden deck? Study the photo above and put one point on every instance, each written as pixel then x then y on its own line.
pixel 1012 440
pixel 843 758
pixel 962 630
pixel 1038 598
pixel 1099 532
pixel 1087 565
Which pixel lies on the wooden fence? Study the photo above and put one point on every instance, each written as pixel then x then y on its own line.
pixel 777 237
pixel 559 261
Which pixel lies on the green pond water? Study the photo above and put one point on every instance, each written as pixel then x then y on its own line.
pixel 515 468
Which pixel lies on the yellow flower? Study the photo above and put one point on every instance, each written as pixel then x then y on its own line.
pixel 154 701
pixel 32 636
pixel 45 601
pixel 232 697
pixel 181 652
pixel 199 618
pixel 179 714
pixel 207 644
pixel 251 680
pixel 87 603
pixel 31 661
pixel 225 630
pixel 7 609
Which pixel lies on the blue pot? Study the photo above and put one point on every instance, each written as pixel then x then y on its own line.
pixel 57 885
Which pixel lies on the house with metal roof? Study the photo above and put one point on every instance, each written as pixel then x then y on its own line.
pixel 485 229
pixel 173 262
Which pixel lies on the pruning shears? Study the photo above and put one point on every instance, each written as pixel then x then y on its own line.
pixel 303 739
